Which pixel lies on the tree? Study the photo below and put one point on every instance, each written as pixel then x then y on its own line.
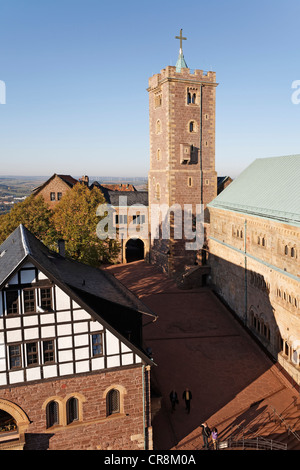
pixel 76 221
pixel 35 215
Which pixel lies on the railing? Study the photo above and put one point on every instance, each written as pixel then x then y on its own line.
pixel 257 443
pixel 287 426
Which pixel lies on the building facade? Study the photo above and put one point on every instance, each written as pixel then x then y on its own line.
pixel 182 153
pixel 254 254
pixel 73 371
pixel 55 188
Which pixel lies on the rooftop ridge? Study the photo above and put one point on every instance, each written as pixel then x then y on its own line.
pixel 24 241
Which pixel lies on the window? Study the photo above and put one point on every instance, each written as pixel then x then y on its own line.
pixel 15 356
pixel 59 196
pixel 52 196
pixel 72 410
pixel 52 414
pixel 158 154
pixel 32 354
pixel 120 219
pixel 158 127
pixel 12 302
pixel 48 351
pixel 157 191
pixel 46 299
pixel 138 219
pixel 157 100
pixel 190 181
pixel 29 300
pixel 113 402
pixel 192 95
pixel 192 126
pixel 97 346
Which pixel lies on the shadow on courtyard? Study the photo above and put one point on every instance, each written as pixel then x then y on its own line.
pixel 198 343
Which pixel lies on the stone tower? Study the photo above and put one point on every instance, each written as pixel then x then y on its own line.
pixel 182 152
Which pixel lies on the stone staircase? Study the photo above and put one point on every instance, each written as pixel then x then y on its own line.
pixel 193 277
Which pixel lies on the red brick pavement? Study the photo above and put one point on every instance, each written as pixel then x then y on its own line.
pixel 197 343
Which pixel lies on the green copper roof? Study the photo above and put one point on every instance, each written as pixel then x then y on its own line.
pixel 269 188
pixel 181 63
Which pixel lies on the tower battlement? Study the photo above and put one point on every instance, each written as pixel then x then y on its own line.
pixel 170 72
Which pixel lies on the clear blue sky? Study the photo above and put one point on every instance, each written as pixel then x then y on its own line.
pixel 76 74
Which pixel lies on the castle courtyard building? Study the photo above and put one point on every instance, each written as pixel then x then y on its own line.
pixel 254 254
pixel 73 371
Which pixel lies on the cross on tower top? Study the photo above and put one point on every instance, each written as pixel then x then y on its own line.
pixel 181 39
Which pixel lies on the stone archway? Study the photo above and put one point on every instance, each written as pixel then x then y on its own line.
pixel 135 250
pixel 15 423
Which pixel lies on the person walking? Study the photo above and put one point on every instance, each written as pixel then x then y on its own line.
pixel 173 399
pixel 206 432
pixel 187 396
pixel 214 437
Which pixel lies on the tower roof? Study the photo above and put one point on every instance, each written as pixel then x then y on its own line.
pixel 181 63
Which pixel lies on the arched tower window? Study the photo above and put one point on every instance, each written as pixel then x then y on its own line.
pixel 158 127
pixel 157 191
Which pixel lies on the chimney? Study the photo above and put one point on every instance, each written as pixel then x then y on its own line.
pixel 61 248
pixel 84 179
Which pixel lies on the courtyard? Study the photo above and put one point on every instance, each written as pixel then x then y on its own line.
pixel 197 343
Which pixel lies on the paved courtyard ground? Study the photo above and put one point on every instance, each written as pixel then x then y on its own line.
pixel 197 343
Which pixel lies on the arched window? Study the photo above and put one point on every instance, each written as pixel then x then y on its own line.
pixel 292 252
pixel 113 402
pixel 72 410
pixel 158 127
pixel 194 98
pixel 286 250
pixel 191 126
pixel 189 99
pixel 52 414
pixel 157 191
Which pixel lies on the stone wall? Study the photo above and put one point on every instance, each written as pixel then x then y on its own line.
pixel 94 429
pixel 258 277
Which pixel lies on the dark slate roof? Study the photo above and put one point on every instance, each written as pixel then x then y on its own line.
pixel 77 279
pixel 222 179
pixel 133 197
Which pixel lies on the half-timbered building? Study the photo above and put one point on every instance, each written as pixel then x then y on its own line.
pixel 73 371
